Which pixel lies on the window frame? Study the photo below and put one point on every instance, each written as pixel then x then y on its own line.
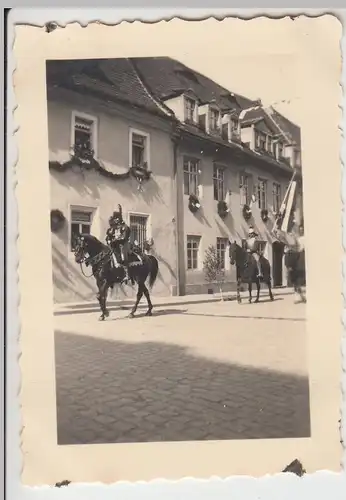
pixel 198 238
pixel 145 215
pixel 277 197
pixel 188 99
pixel 262 206
pixel 219 168
pixel 94 135
pixel 280 145
pixel 247 196
pixel 223 258
pixel 132 132
pixel 217 113
pixel 80 208
pixel 189 160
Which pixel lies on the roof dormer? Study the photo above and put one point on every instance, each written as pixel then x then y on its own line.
pixel 231 126
pixel 210 118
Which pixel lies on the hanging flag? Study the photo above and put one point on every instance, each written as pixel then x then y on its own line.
pixel 284 209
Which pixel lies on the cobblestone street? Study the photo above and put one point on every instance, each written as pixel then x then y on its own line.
pixel 210 370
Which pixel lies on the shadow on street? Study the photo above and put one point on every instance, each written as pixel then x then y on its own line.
pixel 111 391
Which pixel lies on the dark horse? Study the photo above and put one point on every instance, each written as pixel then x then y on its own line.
pixel 93 253
pixel 295 264
pixel 246 267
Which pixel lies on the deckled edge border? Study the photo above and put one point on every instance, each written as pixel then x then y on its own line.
pixel 25 16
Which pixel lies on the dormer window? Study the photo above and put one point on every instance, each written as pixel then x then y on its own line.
pixel 190 108
pixel 214 118
pixel 280 150
pixel 234 126
pixel 260 141
pixel 270 144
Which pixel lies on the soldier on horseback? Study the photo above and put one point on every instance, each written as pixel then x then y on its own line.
pixel 118 238
pixel 252 247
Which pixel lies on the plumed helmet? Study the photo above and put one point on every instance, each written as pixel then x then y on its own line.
pixel 117 214
pixel 252 232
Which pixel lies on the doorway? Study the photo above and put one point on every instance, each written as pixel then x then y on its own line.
pixel 278 254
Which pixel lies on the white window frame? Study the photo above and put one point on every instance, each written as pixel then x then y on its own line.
pixel 275 195
pixel 199 263
pixel 134 131
pixel 245 198
pixel 192 100
pixel 196 174
pixel 221 183
pixel 261 206
pixel 94 135
pixel 93 209
pixel 225 240
pixel 278 156
pixel 218 116
pixel 140 214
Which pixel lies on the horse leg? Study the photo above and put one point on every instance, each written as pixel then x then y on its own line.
pixel 139 296
pixel 102 299
pixel 269 284
pixel 147 296
pixel 238 291
pixel 250 291
pixel 258 284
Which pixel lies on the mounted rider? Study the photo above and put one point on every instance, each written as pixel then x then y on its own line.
pixel 252 247
pixel 118 238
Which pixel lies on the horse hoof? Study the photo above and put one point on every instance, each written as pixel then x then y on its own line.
pixel 272 298
pixel 131 315
pixel 106 314
pixel 148 313
pixel 101 318
pixel 256 301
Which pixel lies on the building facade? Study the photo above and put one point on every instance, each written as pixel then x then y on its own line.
pixel 218 162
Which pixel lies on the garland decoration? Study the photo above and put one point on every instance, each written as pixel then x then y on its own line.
pixel 247 212
pixel 222 209
pixel 57 220
pixel 83 157
pixel 194 203
pixel 264 215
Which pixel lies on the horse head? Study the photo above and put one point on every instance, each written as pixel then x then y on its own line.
pixel 233 252
pixel 86 246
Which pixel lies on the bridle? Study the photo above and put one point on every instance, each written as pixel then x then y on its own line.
pixel 91 260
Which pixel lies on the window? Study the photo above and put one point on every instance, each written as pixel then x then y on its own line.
pixel 219 183
pixel 190 106
pixel 139 149
pixel 221 247
pixel 84 131
pixel 234 126
pixel 139 229
pixel 276 197
pixel 81 221
pixel 245 197
pixel 214 119
pixel 261 245
pixel 262 194
pixel 280 150
pixel 296 158
pixel 191 175
pixel 270 144
pixel 192 246
pixel 260 141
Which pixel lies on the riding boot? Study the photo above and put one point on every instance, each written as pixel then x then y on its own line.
pixel 127 277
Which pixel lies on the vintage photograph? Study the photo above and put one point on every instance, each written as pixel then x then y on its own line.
pixel 179 248
pixel 174 200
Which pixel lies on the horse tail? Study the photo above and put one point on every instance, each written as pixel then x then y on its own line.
pixel 154 270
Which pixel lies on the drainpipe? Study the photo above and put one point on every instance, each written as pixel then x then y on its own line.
pixel 176 140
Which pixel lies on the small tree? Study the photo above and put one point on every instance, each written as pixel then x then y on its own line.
pixel 213 266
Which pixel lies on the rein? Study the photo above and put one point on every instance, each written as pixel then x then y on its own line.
pixel 93 261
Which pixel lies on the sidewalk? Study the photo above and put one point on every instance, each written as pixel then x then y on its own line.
pixel 93 306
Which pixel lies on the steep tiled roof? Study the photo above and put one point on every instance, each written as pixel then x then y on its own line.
pixel 115 79
pixel 167 77
pixel 291 130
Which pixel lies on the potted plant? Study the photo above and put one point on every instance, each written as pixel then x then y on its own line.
pixel 194 203
pixel 57 220
pixel 222 209
pixel 264 215
pixel 247 212
pixel 213 267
